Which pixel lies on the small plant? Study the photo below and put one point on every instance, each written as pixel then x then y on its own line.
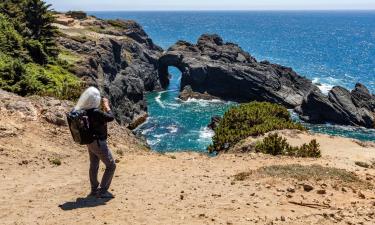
pixel 251 119
pixel 275 145
pixel 120 152
pixel 242 176
pixel 55 161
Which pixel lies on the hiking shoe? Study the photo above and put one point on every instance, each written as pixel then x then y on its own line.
pixel 93 193
pixel 105 194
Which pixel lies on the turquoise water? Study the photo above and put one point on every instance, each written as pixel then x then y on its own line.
pixel 177 125
pixel 331 48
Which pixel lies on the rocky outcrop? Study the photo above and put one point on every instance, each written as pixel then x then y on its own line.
pixel 188 93
pixel 340 106
pixel 226 71
pixel 117 57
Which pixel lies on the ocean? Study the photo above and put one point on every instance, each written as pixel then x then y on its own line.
pixel 329 47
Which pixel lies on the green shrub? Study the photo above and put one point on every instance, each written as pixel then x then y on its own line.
pixel 51 80
pixel 11 70
pixel 10 41
pixel 275 145
pixel 77 14
pixel 31 78
pixel 36 51
pixel 251 119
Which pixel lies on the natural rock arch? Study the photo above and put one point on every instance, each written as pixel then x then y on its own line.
pixel 226 71
pixel 165 61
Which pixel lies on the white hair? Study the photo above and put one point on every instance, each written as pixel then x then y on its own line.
pixel 89 99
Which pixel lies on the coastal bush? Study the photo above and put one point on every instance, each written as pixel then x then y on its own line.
pixel 80 15
pixel 10 40
pixel 29 62
pixel 31 78
pixel 251 119
pixel 275 145
pixel 36 51
pixel 52 80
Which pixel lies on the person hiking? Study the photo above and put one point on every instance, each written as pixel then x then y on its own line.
pixel 90 101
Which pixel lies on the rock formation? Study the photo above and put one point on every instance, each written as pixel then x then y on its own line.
pixel 226 71
pixel 214 68
pixel 356 108
pixel 119 58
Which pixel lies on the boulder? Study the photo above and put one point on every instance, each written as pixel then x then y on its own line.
pixel 226 71
pixel 188 93
pixel 339 107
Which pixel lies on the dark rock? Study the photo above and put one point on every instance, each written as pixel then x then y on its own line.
pixel 123 65
pixel 340 107
pixel 362 98
pixel 307 187
pixel 188 93
pixel 321 192
pixel 226 71
pixel 215 120
pixel 362 164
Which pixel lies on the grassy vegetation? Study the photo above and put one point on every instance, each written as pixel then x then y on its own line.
pixel 69 57
pixel 251 119
pixel 312 172
pixel 275 145
pixel 306 173
pixel 117 23
pixel 55 161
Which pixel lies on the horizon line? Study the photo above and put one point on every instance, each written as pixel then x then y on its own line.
pixel 223 10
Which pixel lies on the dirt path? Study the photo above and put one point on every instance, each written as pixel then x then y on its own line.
pixel 178 188
pixel 183 188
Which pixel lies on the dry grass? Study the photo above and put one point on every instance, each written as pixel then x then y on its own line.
pixel 313 172
pixel 307 173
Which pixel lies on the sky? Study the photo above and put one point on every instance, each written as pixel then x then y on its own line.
pixel 119 5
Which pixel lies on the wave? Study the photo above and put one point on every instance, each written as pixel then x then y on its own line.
pixel 160 135
pixel 172 129
pixel 204 102
pixel 153 142
pixel 158 99
pixel 206 134
pixel 325 88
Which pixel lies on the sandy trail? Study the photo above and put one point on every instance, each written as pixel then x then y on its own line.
pixel 181 188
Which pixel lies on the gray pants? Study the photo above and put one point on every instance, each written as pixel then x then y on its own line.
pixel 98 150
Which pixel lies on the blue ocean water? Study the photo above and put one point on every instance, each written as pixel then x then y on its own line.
pixel 329 47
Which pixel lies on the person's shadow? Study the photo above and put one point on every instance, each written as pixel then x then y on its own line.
pixel 86 202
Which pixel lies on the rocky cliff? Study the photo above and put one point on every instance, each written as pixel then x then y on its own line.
pixel 118 57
